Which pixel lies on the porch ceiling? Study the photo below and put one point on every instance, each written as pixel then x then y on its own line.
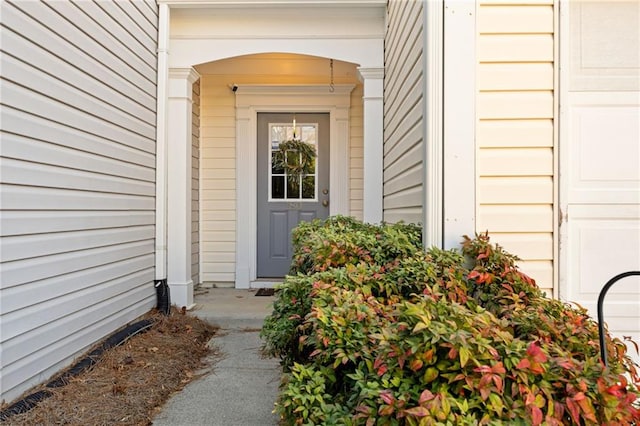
pixel 284 65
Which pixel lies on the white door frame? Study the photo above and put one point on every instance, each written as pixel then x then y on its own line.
pixel 252 99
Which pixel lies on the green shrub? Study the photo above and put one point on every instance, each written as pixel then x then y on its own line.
pixel 339 241
pixel 372 330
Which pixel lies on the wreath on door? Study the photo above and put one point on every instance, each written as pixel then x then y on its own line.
pixel 295 157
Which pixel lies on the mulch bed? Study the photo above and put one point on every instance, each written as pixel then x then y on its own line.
pixel 131 381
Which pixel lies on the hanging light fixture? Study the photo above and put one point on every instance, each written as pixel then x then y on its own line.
pixel 294 126
pixel 331 86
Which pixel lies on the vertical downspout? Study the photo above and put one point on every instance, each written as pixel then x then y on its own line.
pixel 161 150
pixel 433 144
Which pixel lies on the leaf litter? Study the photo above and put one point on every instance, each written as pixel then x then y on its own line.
pixel 129 384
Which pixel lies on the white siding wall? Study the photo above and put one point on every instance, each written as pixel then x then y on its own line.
pixel 356 153
pixel 78 179
pixel 195 185
pixel 515 133
pixel 218 181
pixel 403 120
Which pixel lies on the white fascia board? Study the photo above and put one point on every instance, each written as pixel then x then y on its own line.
pixel 279 3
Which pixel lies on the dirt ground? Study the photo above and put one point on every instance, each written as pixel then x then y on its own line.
pixel 131 381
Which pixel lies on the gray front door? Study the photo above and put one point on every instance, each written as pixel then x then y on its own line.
pixel 284 199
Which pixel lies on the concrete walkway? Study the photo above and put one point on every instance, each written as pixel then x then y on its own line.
pixel 241 387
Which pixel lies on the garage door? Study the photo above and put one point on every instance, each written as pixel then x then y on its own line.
pixel 600 157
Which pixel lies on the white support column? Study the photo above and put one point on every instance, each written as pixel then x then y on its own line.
pixel 339 159
pixel 373 143
pixel 179 185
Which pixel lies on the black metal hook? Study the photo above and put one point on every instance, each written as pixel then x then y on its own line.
pixel 603 292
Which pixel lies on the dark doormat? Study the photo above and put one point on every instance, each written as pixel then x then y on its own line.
pixel 265 292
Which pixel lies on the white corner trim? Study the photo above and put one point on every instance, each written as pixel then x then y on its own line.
pixel 561 134
pixel 432 228
pixel 252 99
pixel 459 199
pixel 560 74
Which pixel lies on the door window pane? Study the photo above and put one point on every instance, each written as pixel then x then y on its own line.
pixel 277 187
pixel 285 184
pixel 293 187
pixel 276 162
pixel 309 187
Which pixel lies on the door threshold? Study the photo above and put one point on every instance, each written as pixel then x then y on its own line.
pixel 266 282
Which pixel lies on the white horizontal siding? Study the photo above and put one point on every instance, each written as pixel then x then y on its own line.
pixel 78 179
pixel 71 331
pixel 403 192
pixel 356 153
pixel 506 19
pixel 515 76
pixel 519 218
pixel 217 181
pixel 514 105
pixel 58 136
pixel 37 222
pixel 20 172
pixel 516 190
pixel 502 133
pixel 515 161
pixel 60 111
pixel 515 47
pixel 50 86
pixel 38 245
pixel 515 2
pixel 532 246
pixel 41 152
pixel 85 61
pixel 515 131
pixel 50 288
pixel 61 19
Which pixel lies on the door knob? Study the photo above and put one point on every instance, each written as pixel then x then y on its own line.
pixel 325 203
pixel 325 191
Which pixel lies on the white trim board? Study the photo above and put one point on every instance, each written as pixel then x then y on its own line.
pixel 459 157
pixel 252 99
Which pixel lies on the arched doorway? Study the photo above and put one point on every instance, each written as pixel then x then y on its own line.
pixel 230 108
pixel 210 39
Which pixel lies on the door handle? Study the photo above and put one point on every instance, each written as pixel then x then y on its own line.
pixel 325 203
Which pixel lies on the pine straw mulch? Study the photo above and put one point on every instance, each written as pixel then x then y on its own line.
pixel 131 381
